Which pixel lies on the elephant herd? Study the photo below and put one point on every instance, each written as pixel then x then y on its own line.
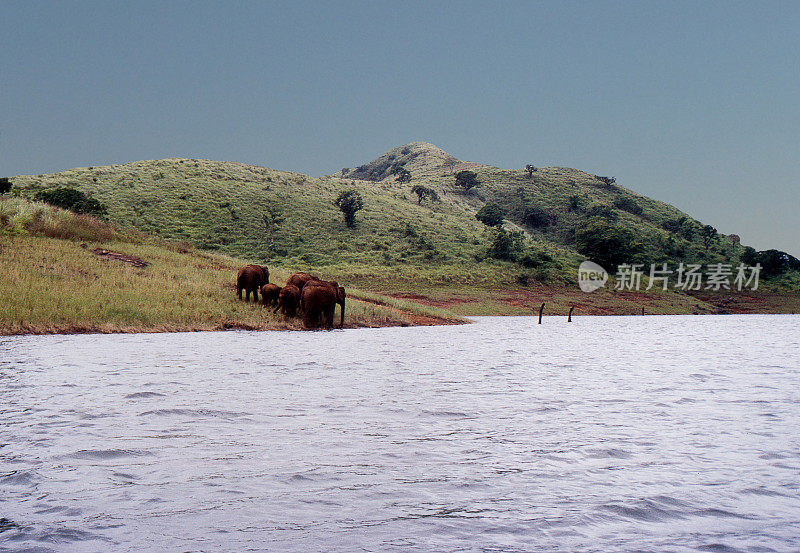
pixel 304 292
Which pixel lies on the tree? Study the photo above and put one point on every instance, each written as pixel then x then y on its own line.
pixel 680 226
pixel 404 175
pixel 575 203
pixel 424 192
pixel 608 246
pixel 466 180
pixel 536 217
pixel 349 201
pixel 74 200
pixel 708 234
pixel 506 246
pixel 773 262
pixel 491 215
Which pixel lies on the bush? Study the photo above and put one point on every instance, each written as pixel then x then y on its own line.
pixel 536 217
pixel 466 180
pixel 506 246
pixel 708 234
pixel 424 192
pixel 5 185
pixel 773 262
pixel 602 211
pixel 349 201
pixel 575 203
pixel 628 204
pixel 74 200
pixel 403 175
pixel 680 226
pixel 609 246
pixel 536 258
pixel 491 215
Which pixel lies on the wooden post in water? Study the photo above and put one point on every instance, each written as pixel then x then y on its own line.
pixel 569 317
pixel 541 309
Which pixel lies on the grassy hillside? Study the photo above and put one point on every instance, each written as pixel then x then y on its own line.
pixel 256 212
pixel 289 219
pixel 53 280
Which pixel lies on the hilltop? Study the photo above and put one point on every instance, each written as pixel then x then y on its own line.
pixel 551 220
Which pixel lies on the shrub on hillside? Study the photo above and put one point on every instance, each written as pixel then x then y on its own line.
pixel 349 201
pixel 5 185
pixel 773 262
pixel 628 204
pixel 467 180
pixel 71 199
pixel 708 235
pixel 575 204
pixel 536 258
pixel 536 217
pixel 602 211
pixel 506 246
pixel 608 246
pixel 680 226
pixel 423 192
pixel 491 215
pixel 543 265
pixel 403 175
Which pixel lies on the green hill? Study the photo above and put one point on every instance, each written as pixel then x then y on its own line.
pixel 553 217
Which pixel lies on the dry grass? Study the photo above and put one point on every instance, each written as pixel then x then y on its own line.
pixel 51 285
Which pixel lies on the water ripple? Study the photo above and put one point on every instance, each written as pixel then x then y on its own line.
pixel 608 434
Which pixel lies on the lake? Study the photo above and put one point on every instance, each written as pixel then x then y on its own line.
pixel 656 433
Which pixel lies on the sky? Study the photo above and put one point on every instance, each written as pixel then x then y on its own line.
pixel 693 103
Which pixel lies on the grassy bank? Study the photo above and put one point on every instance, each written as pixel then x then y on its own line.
pixel 52 281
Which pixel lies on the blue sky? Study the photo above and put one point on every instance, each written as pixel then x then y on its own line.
pixel 693 103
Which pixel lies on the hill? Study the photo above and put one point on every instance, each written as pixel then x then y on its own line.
pixel 65 273
pixel 552 219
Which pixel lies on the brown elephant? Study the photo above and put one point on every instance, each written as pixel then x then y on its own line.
pixel 288 299
pixel 318 301
pixel 251 278
pixel 301 279
pixel 269 294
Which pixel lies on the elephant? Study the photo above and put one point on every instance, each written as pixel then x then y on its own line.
pixel 251 278
pixel 269 294
pixel 288 299
pixel 318 300
pixel 301 279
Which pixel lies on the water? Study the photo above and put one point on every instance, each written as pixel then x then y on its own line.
pixel 607 434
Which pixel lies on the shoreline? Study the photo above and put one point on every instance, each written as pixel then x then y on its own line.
pixel 26 329
pixel 107 328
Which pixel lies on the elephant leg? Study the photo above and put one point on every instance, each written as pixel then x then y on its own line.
pixel 255 295
pixel 239 291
